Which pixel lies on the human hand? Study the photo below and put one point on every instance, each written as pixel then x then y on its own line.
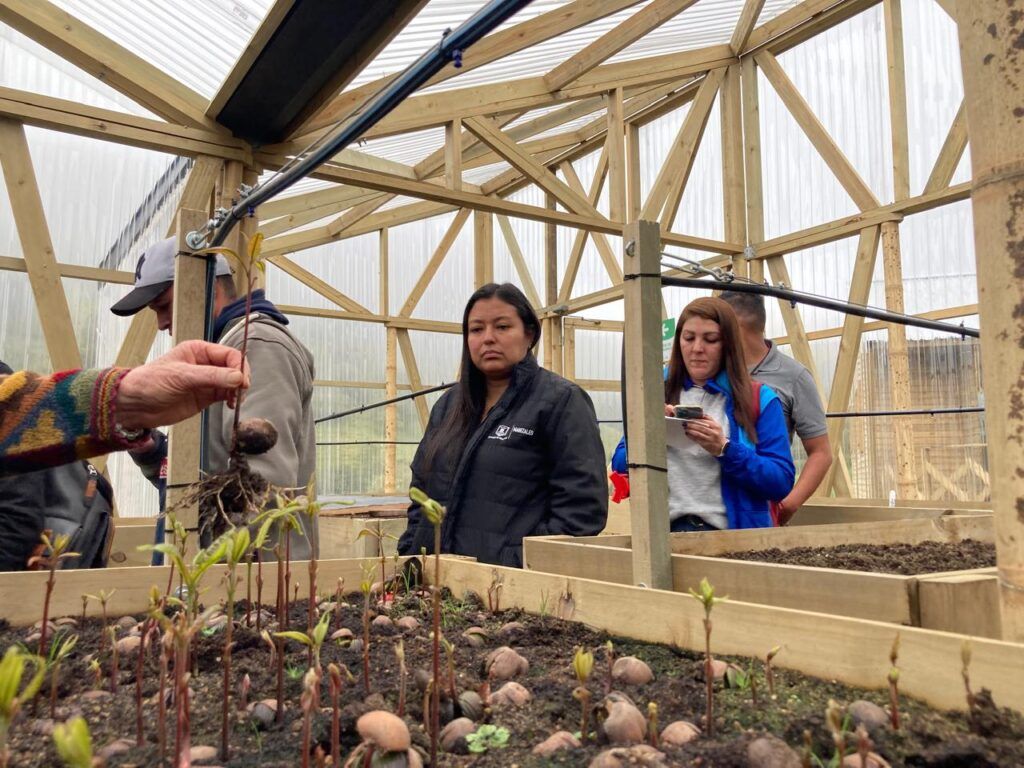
pixel 707 433
pixel 785 510
pixel 189 378
pixel 670 410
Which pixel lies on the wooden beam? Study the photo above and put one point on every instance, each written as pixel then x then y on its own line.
pixel 453 154
pixel 745 25
pixel 412 370
pixel 522 268
pixel 634 201
pixel 358 213
pixel 384 272
pixel 546 26
pixel 849 344
pixel 580 240
pixel 483 248
pixel 676 169
pixel 118 127
pixel 604 249
pixel 752 162
pixel 291 221
pixel 34 235
pixel 434 263
pixel 76 271
pixel 733 187
pixel 852 225
pixel 614 40
pixel 390 411
pixel 435 109
pixel 949 156
pixel 893 13
pixel 615 150
pixel 550 282
pixel 899 363
pixel 834 158
pixel 644 405
pixel 315 283
pixel 793 321
pixel 802 22
pixel 80 44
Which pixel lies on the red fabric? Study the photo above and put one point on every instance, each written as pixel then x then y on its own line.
pixel 620 486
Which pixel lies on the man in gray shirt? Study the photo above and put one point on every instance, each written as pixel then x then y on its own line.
pixel 795 387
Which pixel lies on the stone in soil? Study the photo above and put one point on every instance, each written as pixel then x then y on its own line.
pixel 770 752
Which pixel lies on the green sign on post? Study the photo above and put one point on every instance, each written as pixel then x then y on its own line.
pixel 668 332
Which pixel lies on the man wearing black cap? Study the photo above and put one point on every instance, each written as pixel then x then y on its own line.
pixel 281 371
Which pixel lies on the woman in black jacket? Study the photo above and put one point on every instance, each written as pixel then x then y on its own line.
pixel 512 450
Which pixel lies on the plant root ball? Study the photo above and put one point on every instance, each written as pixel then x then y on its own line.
pixel 255 436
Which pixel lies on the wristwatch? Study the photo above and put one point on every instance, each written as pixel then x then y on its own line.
pixel 725 446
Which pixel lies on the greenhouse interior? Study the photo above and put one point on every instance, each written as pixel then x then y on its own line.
pixel 555 314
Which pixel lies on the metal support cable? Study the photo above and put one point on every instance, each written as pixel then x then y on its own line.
pixel 382 403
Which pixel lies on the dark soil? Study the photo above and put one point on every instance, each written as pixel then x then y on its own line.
pixel 905 559
pixel 928 738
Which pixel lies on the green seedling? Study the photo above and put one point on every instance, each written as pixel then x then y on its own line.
pixel 402 674
pixel 96 669
pixel 434 513
pixel 706 597
pixel 54 550
pixel 314 641
pixel 582 666
pixel 12 694
pixel 238 546
pixel 102 599
pixel 73 743
pixel 61 647
pixel 379 537
pixel 365 586
pixel 609 656
pixel 487 737
pixel 652 724
pixel 893 679
pixel 190 573
pixel 155 602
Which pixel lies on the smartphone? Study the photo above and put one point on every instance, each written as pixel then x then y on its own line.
pixel 688 412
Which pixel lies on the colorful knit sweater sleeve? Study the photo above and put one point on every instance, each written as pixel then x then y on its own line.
pixel 46 421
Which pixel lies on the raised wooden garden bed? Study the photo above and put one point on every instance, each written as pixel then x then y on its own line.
pixel 955 601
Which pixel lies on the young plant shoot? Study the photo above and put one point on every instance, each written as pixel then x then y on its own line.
pixel 893 680
pixel 12 670
pixel 73 743
pixel 55 549
pixel 582 666
pixel 706 597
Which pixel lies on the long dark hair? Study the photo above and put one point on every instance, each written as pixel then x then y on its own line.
pixel 471 391
pixel 718 311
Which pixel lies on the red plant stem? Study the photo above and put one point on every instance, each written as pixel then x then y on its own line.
pixel 287 579
pixel 183 732
pixel 709 677
pixel 310 615
pixel 114 670
pixel 43 631
pixel 103 634
pixel 401 691
pixel 584 718
pixel 366 643
pixel 769 677
pixel 435 715
pixel 894 702
pixel 279 643
pixel 248 590
pixel 259 592
pixel 245 341
pixel 54 685
pixel 161 717
pixel 170 581
pixel 225 722
pixel 305 739
pixel 608 679
pixel 336 723
pixel 140 731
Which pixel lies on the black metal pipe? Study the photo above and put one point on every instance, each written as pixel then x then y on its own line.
pixel 375 442
pixel 912 412
pixel 820 301
pixel 382 403
pixel 450 48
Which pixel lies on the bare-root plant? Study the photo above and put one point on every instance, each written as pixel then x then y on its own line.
pixel 706 597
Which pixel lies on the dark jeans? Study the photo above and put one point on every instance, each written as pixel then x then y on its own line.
pixel 688 523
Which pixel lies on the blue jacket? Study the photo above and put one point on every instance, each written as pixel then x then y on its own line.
pixel 752 475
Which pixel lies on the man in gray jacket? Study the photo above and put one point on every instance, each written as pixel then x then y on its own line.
pixel 281 371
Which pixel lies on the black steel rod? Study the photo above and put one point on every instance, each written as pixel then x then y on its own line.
pixel 375 442
pixel 382 403
pixel 419 72
pixel 820 301
pixel 912 412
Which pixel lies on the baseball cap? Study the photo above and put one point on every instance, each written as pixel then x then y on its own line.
pixel 154 274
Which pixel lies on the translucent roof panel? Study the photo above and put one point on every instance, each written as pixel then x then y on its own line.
pixel 194 41
pixel 708 22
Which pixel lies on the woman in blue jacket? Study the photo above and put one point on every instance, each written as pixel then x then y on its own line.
pixel 729 463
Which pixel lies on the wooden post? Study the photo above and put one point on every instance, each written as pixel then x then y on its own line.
pixel 734 203
pixel 993 67
pixel 752 162
pixel 893 12
pixel 634 202
pixel 615 142
pixel 187 323
pixel 391 412
pixel 390 373
pixel 483 248
pixel 453 154
pixel 550 284
pixel 648 477
pixel 899 363
pixel 569 351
